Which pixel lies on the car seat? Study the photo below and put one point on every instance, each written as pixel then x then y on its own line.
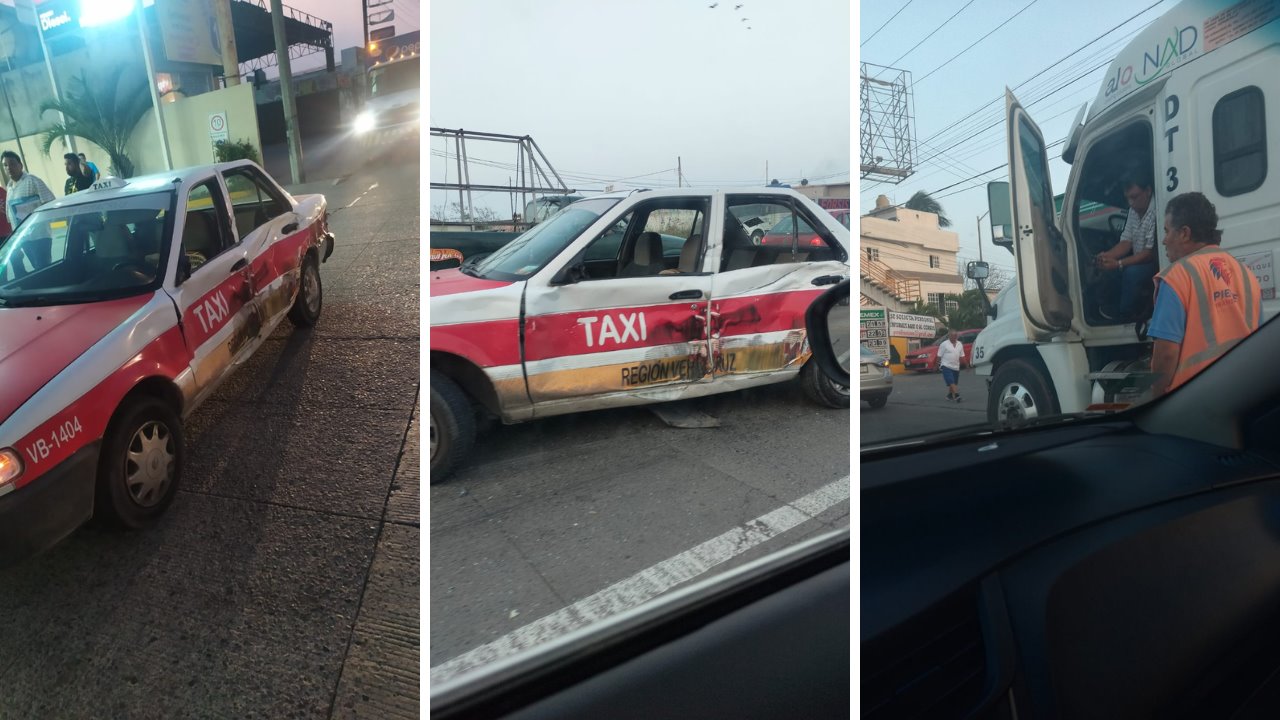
pixel 690 253
pixel 646 257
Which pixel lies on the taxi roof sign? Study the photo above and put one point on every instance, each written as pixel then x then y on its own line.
pixel 109 183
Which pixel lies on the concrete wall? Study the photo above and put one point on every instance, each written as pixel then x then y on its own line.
pixel 187 123
pixel 906 239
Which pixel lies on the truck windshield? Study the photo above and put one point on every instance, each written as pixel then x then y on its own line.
pixel 394 78
pixel 86 253
pixel 529 252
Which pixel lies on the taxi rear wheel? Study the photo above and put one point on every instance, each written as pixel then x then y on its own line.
pixel 306 308
pixel 451 426
pixel 821 389
pixel 141 464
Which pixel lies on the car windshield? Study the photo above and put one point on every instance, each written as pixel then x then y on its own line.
pixel 532 250
pixel 87 252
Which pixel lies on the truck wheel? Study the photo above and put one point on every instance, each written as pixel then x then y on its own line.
pixel 452 426
pixel 1019 394
pixel 306 308
pixel 822 389
pixel 140 465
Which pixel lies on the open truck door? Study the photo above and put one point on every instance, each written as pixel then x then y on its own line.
pixel 1041 250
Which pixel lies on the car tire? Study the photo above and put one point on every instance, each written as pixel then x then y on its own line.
pixel 140 466
pixel 1018 395
pixel 306 308
pixel 878 401
pixel 756 237
pixel 451 426
pixel 822 389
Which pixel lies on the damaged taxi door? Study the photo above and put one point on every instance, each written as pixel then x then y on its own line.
pixel 212 291
pixel 606 328
pixel 767 282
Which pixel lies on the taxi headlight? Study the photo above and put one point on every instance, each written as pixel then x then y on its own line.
pixel 366 121
pixel 10 467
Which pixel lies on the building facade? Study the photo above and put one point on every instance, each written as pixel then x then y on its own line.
pixel 905 257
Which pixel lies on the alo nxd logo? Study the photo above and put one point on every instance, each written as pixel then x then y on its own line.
pixel 1171 49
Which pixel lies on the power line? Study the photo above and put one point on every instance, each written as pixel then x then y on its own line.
pixel 926 37
pixel 886 22
pixel 975 42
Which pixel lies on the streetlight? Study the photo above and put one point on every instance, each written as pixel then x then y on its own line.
pixel 102 12
pixel 988 212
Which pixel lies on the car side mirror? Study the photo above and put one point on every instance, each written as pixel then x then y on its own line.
pixel 828 327
pixel 978 270
pixel 999 203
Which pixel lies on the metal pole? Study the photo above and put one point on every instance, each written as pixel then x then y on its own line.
pixel 364 18
pixel 679 173
pixel 457 154
pixel 287 98
pixel 151 85
pixel 17 137
pixel 53 81
pixel 466 164
pixel 980 234
pixel 227 34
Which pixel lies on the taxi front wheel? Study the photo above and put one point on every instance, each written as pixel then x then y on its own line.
pixel 452 426
pixel 140 465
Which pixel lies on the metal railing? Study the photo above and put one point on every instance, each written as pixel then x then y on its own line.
pixel 891 281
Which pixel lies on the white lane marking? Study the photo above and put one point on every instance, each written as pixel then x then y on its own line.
pixel 649 583
pixel 353 202
pixel 372 187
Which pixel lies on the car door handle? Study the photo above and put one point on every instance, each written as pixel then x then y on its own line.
pixel 241 264
pixel 827 280
pixel 687 295
pixel 289 229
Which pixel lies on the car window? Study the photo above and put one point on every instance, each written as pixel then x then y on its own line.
pixel 254 202
pixel 760 230
pixel 86 252
pixel 533 249
pixel 630 247
pixel 204 233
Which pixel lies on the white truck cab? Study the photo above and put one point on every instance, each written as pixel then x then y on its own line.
pixel 1186 104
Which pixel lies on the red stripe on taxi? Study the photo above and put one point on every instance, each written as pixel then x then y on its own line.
pixel 85 420
pixel 453 281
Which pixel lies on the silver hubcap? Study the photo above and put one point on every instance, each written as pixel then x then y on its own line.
pixel 1016 406
pixel 311 288
pixel 149 464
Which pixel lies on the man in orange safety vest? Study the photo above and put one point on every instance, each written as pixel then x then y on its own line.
pixel 1206 300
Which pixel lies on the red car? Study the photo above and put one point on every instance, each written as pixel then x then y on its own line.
pixel 926 358
pixel 780 235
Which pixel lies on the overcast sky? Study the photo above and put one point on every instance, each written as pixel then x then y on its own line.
pixel 1044 33
pixel 348 29
pixel 613 90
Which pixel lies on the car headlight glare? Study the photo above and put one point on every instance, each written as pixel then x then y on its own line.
pixel 10 467
pixel 365 122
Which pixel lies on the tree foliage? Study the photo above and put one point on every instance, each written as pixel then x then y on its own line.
pixel 924 202
pixel 968 312
pixel 104 113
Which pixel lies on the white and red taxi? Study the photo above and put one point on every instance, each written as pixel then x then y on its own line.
pixel 588 310
pixel 122 307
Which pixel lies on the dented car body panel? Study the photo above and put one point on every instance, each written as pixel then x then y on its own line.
pixel 580 334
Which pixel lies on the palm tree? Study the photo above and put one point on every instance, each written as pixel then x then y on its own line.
pixel 924 202
pixel 105 114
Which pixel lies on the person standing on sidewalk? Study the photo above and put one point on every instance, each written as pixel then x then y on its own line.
pixel 25 193
pixel 950 353
pixel 78 176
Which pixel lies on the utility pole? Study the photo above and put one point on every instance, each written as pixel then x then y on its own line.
pixel 364 18
pixel 151 83
pixel 679 173
pixel 227 34
pixel 286 93
pixel 980 233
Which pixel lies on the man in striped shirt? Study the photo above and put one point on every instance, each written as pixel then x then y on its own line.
pixel 25 193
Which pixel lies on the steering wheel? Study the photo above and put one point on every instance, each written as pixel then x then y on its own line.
pixel 140 271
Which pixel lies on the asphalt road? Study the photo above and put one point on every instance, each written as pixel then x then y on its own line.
pixel 284 581
pixel 919 405
pixel 556 522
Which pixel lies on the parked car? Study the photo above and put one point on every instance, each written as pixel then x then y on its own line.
pixel 788 230
pixel 926 358
pixel 123 307
pixel 592 310
pixel 876 379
